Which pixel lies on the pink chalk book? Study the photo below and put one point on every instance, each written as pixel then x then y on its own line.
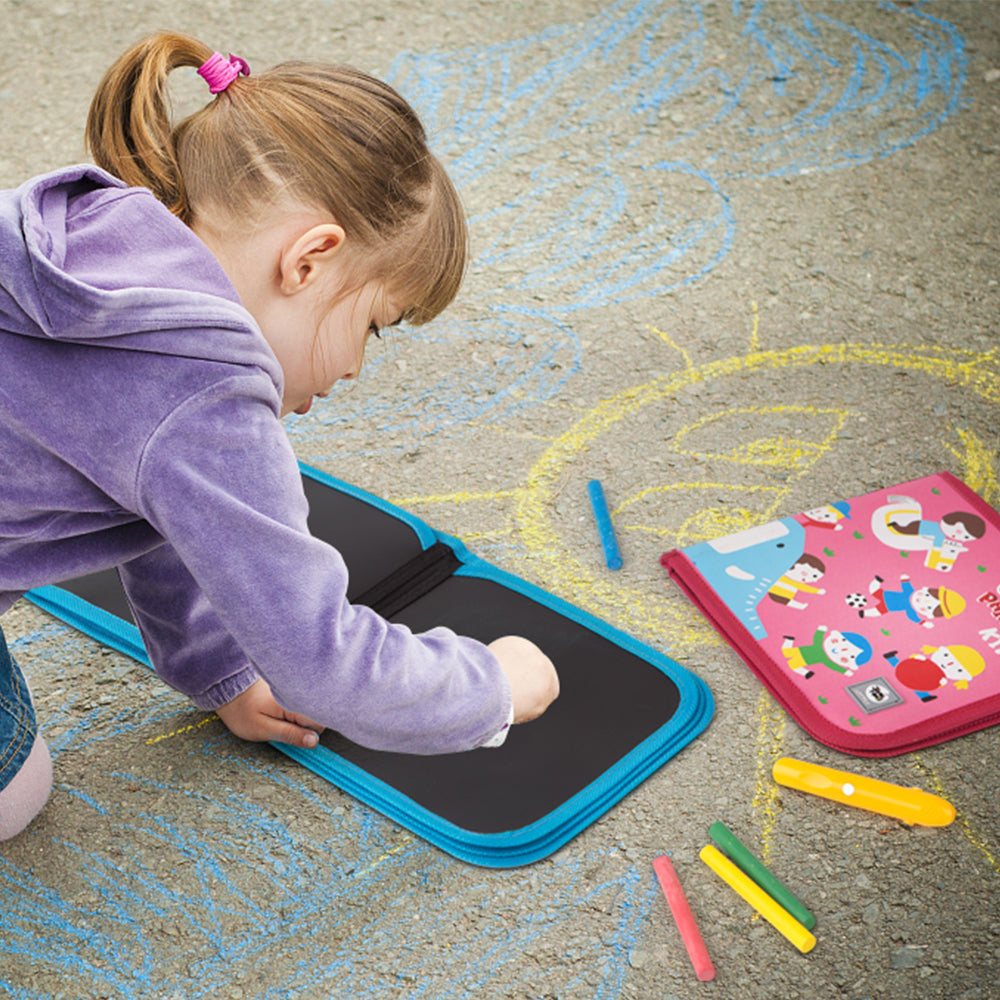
pixel 875 621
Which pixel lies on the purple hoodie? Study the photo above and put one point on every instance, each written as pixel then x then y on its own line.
pixel 139 428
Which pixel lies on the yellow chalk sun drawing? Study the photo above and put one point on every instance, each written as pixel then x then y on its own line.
pixel 781 449
pixel 709 521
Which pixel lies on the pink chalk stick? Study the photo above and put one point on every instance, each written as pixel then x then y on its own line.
pixel 678 903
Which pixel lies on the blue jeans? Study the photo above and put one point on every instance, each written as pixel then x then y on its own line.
pixel 17 718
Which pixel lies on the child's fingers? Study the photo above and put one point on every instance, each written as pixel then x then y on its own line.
pixel 306 731
pixel 308 738
pixel 284 731
pixel 303 720
pixel 534 683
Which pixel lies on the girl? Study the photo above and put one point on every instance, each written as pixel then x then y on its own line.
pixel 157 319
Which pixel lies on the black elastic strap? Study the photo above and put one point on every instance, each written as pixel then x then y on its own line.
pixel 413 579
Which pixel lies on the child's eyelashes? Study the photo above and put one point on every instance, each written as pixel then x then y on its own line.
pixel 375 331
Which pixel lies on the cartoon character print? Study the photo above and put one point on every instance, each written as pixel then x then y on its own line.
pixel 934 666
pixel 842 652
pixel 742 567
pixel 901 525
pixel 807 571
pixel 828 516
pixel 922 606
pixel 925 672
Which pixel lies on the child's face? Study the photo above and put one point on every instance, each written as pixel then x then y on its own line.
pixel 948 662
pixel 829 515
pixel 956 532
pixel 804 573
pixel 924 603
pixel 840 649
pixel 301 285
pixel 335 349
pixel 318 343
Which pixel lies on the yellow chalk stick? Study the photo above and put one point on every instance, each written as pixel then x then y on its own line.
pixel 776 915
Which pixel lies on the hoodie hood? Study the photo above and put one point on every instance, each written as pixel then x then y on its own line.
pixel 84 258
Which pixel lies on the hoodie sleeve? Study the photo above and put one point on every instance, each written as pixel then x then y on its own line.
pixel 183 636
pixel 219 481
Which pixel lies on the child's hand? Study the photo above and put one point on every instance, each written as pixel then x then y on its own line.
pixel 532 677
pixel 255 715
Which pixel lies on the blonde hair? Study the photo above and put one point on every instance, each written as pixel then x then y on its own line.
pixel 328 136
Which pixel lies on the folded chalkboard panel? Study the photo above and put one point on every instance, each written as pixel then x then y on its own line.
pixel 624 708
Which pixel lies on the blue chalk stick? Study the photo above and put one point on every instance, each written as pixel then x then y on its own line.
pixel 603 517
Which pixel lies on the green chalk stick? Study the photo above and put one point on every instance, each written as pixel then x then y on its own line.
pixel 756 870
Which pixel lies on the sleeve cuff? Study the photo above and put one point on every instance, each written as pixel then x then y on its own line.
pixel 499 738
pixel 226 690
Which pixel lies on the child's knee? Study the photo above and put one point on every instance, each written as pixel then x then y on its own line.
pixel 27 792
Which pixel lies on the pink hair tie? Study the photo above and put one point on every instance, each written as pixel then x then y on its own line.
pixel 220 72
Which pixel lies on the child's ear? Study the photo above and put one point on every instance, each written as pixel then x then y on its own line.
pixel 307 257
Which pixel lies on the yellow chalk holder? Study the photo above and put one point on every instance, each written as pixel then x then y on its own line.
pixel 911 805
pixel 777 916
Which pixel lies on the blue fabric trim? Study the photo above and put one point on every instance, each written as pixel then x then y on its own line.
pixel 427 535
pixel 91 620
pixel 539 839
pixel 495 850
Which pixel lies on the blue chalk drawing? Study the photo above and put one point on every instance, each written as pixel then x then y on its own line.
pixel 188 911
pixel 599 194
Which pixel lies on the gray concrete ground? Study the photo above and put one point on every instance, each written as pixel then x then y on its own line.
pixel 778 216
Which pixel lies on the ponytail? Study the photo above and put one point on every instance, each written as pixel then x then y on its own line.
pixel 129 130
pixel 327 136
